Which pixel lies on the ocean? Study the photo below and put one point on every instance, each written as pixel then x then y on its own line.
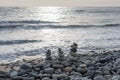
pixel 30 31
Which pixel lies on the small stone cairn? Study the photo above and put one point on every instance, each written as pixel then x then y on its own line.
pixel 104 66
pixel 60 54
pixel 48 55
pixel 73 50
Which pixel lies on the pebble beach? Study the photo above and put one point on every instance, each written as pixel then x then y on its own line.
pixel 95 66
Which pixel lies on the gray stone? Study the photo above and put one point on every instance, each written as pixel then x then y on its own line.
pixel 22 78
pixel 74 47
pixel 4 75
pixel 33 74
pixel 90 73
pixel 46 78
pixel 116 77
pixel 59 76
pixel 60 53
pixel 85 78
pixel 99 78
pixel 76 74
pixel 13 74
pixel 47 65
pixel 68 69
pixel 57 66
pixel 48 55
pixel 83 68
pixel 46 75
pixel 74 78
pixel 49 70
pixel 26 67
pixel 58 71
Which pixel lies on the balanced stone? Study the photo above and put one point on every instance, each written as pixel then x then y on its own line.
pixel 73 50
pixel 74 47
pixel 60 54
pixel 48 55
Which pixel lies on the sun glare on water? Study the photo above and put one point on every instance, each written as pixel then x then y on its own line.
pixel 48 13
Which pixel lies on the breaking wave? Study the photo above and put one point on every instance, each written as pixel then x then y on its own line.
pixel 18 42
pixel 43 24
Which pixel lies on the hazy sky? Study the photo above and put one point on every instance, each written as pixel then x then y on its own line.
pixel 59 2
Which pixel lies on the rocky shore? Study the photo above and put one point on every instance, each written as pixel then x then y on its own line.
pixel 102 66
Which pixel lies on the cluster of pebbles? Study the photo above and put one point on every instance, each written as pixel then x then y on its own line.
pixel 103 66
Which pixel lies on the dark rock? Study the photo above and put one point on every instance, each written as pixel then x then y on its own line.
pixel 46 78
pixel 57 66
pixel 99 78
pixel 4 75
pixel 82 68
pixel 26 67
pixel 68 69
pixel 13 74
pixel 33 74
pixel 48 55
pixel 60 76
pixel 49 70
pixel 116 77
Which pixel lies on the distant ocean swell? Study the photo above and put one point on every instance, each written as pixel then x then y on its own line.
pixel 45 24
pixel 10 42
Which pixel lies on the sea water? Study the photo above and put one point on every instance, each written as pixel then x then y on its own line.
pixel 30 31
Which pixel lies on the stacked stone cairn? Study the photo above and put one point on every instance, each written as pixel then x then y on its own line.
pixel 74 66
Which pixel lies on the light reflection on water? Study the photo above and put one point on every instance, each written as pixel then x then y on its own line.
pixel 88 38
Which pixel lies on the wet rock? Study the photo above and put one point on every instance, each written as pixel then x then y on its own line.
pixel 73 50
pixel 48 55
pixel 80 78
pixel 116 77
pixel 60 76
pixel 118 71
pixel 104 59
pixel 75 78
pixel 21 72
pixel 57 66
pixel 4 75
pixel 33 74
pixel 117 62
pixel 46 78
pixel 23 78
pixel 76 74
pixel 60 54
pixel 26 67
pixel 13 74
pixel 107 77
pixel 90 74
pixel 58 71
pixel 46 75
pixel 47 65
pixel 85 78
pixel 98 72
pixel 74 47
pixel 66 63
pixel 3 72
pixel 68 69
pixel 99 78
pixel 49 70
pixel 83 68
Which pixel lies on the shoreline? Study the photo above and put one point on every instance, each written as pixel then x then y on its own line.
pixel 104 66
